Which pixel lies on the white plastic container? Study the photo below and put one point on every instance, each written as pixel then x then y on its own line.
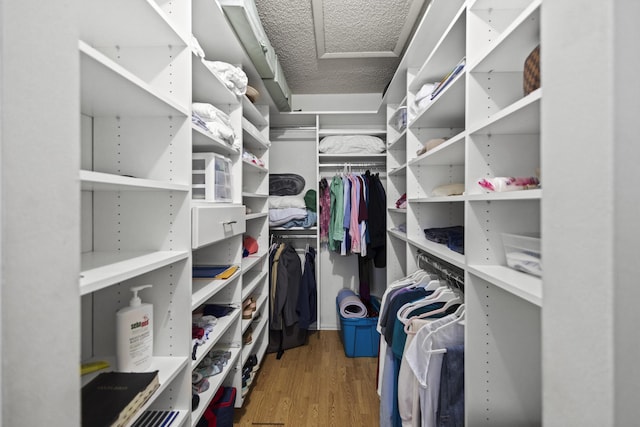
pixel 134 334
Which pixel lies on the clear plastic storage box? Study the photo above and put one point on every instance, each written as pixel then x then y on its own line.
pixel 211 177
pixel 522 252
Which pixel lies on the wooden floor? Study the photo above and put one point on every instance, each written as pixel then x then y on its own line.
pixel 313 385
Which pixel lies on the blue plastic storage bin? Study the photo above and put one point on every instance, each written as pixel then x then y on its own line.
pixel 359 336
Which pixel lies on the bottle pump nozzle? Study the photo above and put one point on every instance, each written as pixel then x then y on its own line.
pixel 136 301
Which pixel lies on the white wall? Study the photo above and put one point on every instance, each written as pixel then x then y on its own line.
pixel 316 103
pixel 40 232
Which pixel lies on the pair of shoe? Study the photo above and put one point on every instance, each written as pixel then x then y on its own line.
pixel 247 338
pixel 252 363
pixel 199 386
pixel 248 307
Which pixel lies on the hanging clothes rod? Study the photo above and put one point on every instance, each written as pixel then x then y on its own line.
pixel 355 165
pixel 443 269
pixel 294 236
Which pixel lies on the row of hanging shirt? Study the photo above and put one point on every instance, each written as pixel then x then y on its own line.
pixel 421 366
pixel 353 215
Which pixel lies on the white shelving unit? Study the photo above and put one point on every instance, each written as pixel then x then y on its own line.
pixel 135 183
pixel 247 215
pixel 491 130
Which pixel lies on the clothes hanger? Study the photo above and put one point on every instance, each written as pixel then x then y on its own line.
pixel 442 294
pixel 459 316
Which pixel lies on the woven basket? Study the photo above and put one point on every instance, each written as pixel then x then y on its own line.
pixel 531 78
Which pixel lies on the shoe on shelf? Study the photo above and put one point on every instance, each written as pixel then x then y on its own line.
pixel 247 338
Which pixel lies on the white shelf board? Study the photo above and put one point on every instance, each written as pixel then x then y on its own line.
pixel 509 50
pixel 522 285
pixel 252 113
pixel 398 210
pixel 447 109
pixel 205 142
pixel 249 287
pixel 254 166
pixel 351 131
pixel 355 157
pixel 118 22
pixel 449 50
pixel 439 250
pixel 103 269
pixel 252 138
pixel 499 4
pixel 252 216
pixel 400 170
pixel 520 118
pixel 99 181
pixel 221 327
pixel 250 261
pixel 203 289
pixel 398 234
pixel 401 139
pixel 535 194
pixel 450 152
pixel 436 19
pixel 214 384
pixel 254 195
pixel 207 86
pixel 438 199
pixel 108 89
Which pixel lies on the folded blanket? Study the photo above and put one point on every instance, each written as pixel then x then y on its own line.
pixel 307 222
pixel 233 77
pixel 281 202
pixel 350 305
pixel 281 216
pixel 209 113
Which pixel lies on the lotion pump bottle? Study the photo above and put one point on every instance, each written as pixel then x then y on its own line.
pixel 134 329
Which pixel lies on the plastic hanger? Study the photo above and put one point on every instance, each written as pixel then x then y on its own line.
pixel 442 294
pixel 458 315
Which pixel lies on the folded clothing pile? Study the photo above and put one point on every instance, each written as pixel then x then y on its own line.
pixel 453 237
pixel 509 183
pixel 233 77
pixel 252 158
pixel 293 211
pixel 287 206
pixel 214 121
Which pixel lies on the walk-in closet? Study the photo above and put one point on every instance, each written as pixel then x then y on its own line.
pixel 394 213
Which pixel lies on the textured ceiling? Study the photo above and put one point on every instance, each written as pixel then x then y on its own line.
pixel 351 26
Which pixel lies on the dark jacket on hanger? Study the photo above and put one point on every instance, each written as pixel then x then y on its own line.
pixel 286 275
pixel 377 221
pixel 308 298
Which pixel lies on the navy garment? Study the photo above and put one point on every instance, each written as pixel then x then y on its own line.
pixel 308 296
pixel 396 303
pixel 451 400
pixel 377 225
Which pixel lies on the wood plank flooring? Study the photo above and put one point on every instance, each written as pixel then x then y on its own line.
pixel 313 385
